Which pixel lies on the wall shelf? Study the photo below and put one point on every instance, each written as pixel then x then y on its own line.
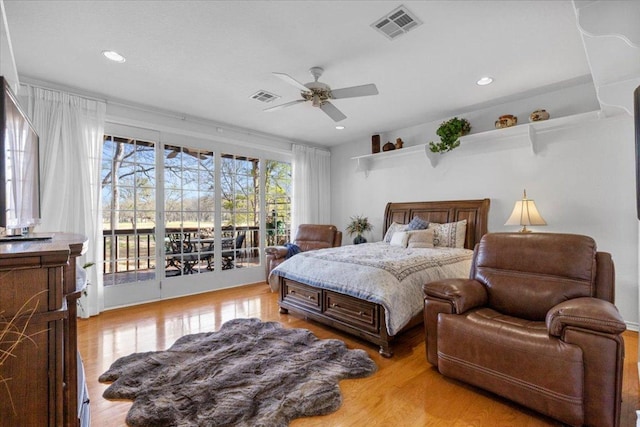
pixel 530 131
pixel 364 162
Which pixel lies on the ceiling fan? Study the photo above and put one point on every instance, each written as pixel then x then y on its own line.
pixel 320 93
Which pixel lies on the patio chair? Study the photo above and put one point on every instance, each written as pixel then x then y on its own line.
pixel 231 252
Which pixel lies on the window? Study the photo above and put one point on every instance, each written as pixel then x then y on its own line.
pixel 239 181
pixel 129 210
pixel 189 210
pixel 277 202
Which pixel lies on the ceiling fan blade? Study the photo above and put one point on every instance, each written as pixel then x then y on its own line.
pixel 281 106
pixel 331 111
pixel 352 92
pixel 287 78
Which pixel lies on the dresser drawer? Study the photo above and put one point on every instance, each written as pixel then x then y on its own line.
pixel 352 310
pixel 300 295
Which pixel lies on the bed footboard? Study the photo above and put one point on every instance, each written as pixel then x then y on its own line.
pixel 346 313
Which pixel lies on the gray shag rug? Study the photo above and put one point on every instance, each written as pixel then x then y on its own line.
pixel 249 373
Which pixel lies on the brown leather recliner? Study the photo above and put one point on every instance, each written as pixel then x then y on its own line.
pixel 308 237
pixel 534 323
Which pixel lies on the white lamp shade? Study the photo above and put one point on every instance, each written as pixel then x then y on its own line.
pixel 525 213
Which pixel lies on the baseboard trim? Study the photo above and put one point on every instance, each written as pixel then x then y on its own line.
pixel 633 326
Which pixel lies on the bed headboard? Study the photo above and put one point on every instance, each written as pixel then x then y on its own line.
pixel 476 212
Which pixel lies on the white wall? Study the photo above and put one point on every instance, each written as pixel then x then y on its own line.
pixel 582 179
pixel 7 62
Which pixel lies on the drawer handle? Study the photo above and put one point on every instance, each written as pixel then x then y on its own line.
pixel 361 313
pixel 310 296
pixel 334 305
pixel 292 292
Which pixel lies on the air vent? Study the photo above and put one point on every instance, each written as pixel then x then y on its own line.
pixel 264 96
pixel 396 23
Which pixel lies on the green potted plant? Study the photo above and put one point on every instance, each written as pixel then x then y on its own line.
pixel 358 225
pixel 450 133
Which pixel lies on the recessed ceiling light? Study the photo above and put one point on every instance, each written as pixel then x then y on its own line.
pixel 113 56
pixel 339 127
pixel 484 81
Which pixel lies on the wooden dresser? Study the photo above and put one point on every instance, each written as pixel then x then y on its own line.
pixel 42 378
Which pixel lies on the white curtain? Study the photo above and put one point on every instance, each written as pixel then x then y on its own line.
pixel 71 130
pixel 22 168
pixel 311 170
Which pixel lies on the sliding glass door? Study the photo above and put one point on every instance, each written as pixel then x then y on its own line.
pixel 180 219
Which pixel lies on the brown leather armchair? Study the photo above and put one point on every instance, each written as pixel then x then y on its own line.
pixel 534 323
pixel 308 237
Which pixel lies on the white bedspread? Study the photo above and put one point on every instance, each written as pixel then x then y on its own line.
pixel 388 275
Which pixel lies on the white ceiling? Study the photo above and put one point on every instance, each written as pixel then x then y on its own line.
pixel 206 58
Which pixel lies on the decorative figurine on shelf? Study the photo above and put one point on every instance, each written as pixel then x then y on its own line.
pixel 506 121
pixel 539 115
pixel 358 225
pixel 399 143
pixel 388 146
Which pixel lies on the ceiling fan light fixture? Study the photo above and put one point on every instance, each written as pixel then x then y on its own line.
pixel 483 81
pixel 320 94
pixel 114 56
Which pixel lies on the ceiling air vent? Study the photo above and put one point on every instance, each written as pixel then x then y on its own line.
pixel 264 96
pixel 396 23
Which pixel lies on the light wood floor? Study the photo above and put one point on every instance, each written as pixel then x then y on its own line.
pixel 406 390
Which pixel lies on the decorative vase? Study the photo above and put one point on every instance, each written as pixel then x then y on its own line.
pixel 506 121
pixel 388 147
pixel 539 115
pixel 359 239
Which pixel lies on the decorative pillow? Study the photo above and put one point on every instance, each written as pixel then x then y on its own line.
pixel 450 235
pixel 421 238
pixel 417 223
pixel 399 238
pixel 392 229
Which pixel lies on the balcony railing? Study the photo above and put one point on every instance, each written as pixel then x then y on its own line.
pixel 135 250
pixel 128 250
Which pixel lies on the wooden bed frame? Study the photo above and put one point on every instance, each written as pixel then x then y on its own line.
pixel 363 318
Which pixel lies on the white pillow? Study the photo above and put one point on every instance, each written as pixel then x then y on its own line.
pixel 392 229
pixel 399 238
pixel 421 238
pixel 450 235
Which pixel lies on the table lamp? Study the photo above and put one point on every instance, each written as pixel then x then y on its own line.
pixel 525 213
